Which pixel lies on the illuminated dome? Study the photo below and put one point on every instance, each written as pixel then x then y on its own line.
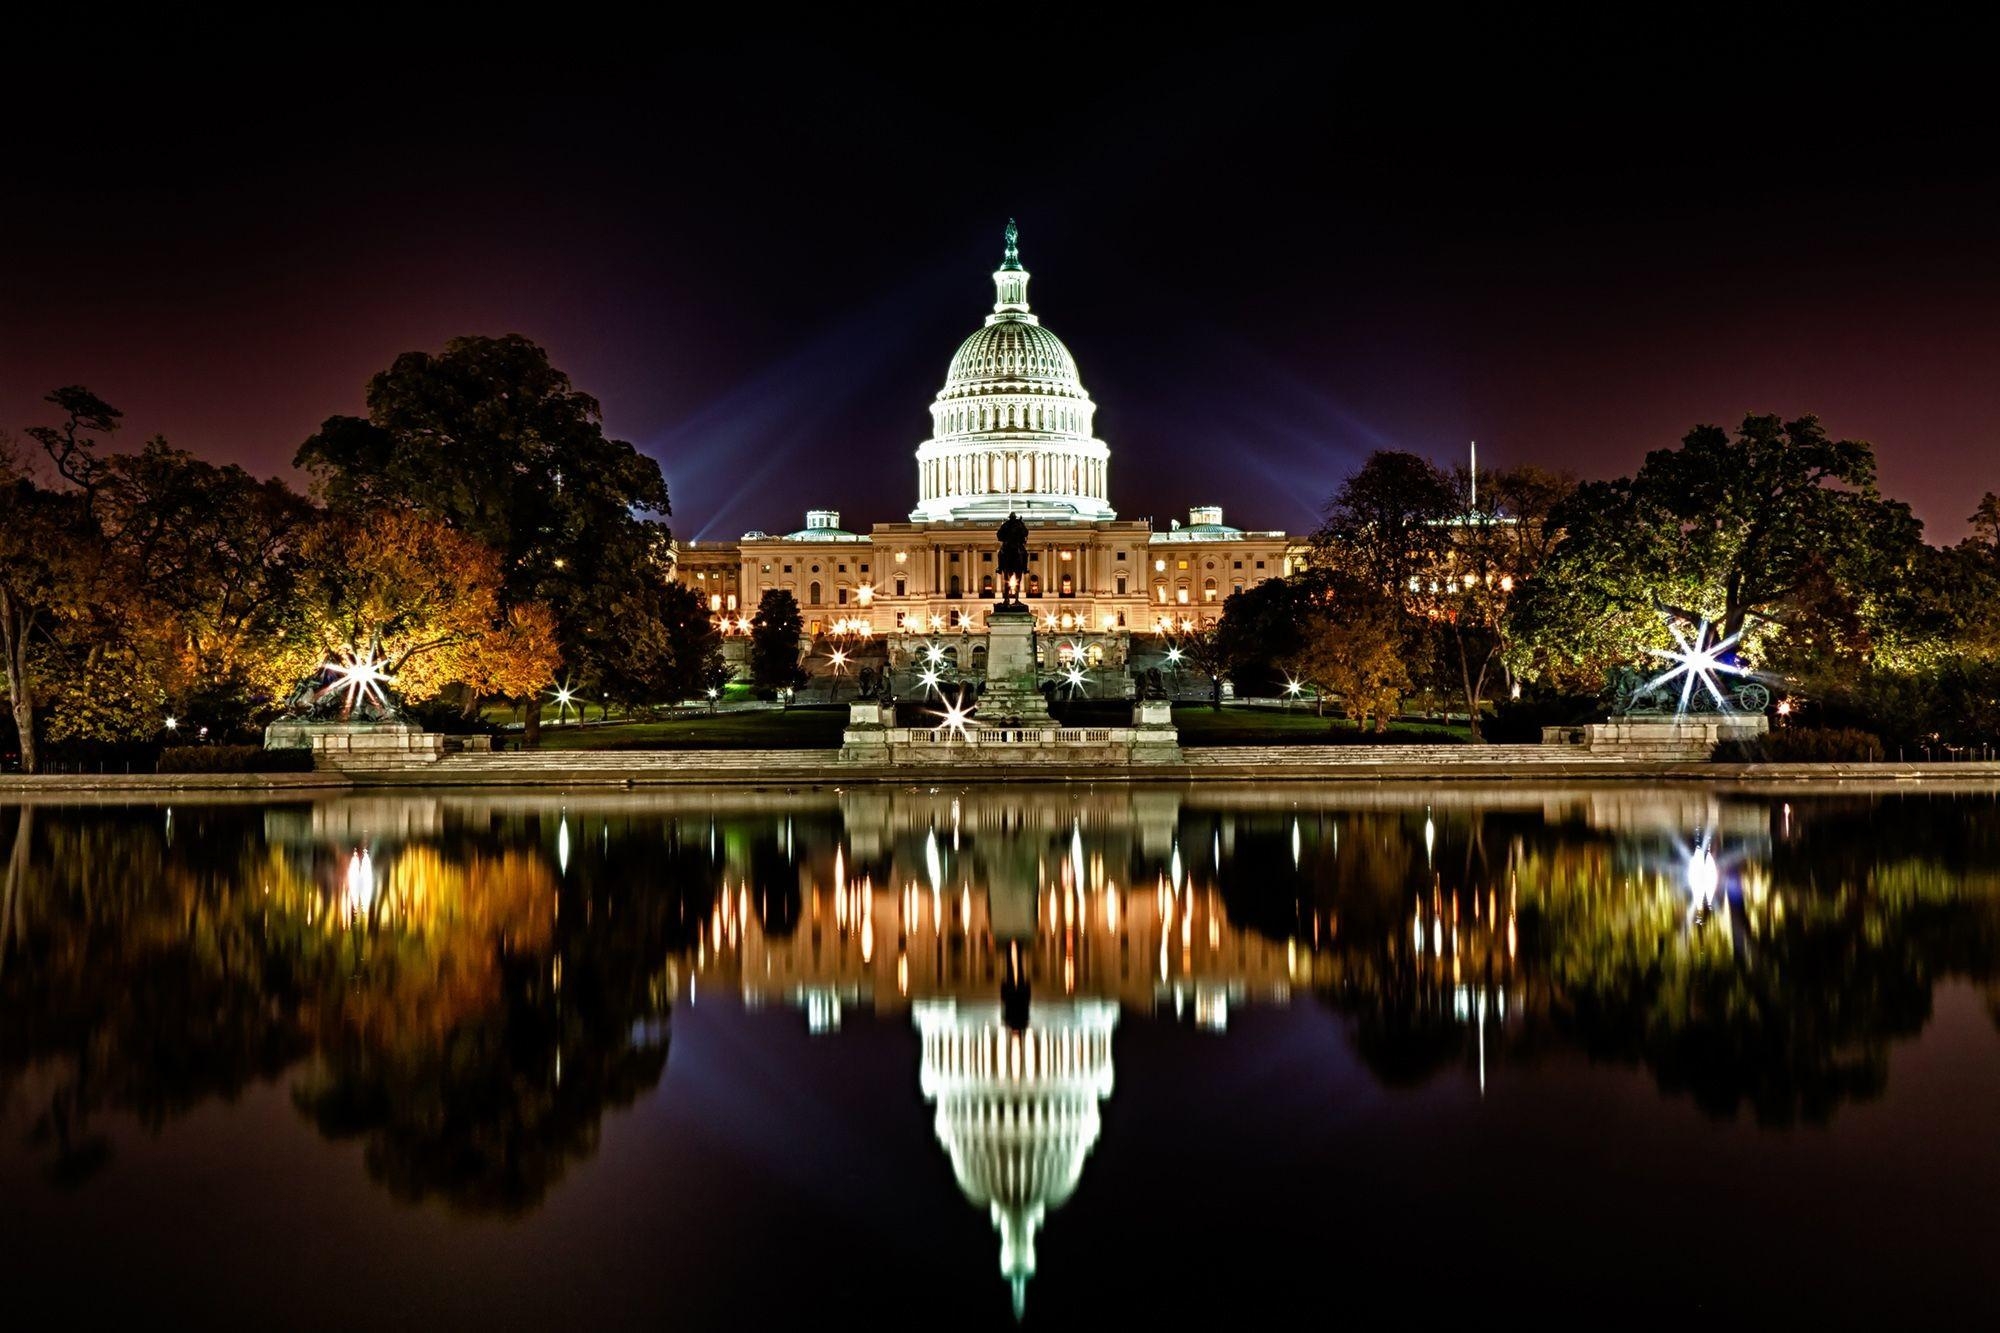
pixel 1017 1111
pixel 1011 429
pixel 1001 357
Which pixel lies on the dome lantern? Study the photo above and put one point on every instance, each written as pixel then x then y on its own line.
pixel 1010 281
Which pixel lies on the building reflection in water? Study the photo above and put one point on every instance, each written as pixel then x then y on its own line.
pixel 468 982
pixel 1015 928
pixel 1013 932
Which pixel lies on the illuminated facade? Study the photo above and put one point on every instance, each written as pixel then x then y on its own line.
pixel 964 901
pixel 1012 431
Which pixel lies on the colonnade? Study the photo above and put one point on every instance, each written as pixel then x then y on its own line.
pixel 1015 472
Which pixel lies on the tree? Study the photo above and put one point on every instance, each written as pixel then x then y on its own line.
pixel 1354 651
pixel 491 439
pixel 1262 626
pixel 774 641
pixel 1204 649
pixel 58 599
pixel 1742 530
pixel 1498 536
pixel 659 646
pixel 1985 521
pixel 1388 522
pixel 715 675
pixel 178 574
pixel 419 597
pixel 215 550
pixel 695 645
pixel 38 574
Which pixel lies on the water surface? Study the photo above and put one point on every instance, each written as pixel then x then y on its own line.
pixel 964 1056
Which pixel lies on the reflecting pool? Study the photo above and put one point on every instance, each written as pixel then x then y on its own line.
pixel 1122 1055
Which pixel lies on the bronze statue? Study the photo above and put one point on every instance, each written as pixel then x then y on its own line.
pixel 1013 536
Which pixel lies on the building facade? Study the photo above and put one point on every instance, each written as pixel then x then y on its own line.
pixel 1012 431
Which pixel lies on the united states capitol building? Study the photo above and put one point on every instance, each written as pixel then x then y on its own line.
pixel 1013 430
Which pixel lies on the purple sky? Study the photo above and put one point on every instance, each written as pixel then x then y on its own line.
pixel 1270 251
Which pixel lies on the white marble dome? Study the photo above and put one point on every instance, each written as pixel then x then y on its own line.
pixel 1008 354
pixel 1012 429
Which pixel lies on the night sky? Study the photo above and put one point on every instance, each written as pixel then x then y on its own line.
pixel 1271 250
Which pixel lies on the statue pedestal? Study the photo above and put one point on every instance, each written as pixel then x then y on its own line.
pixel 357 744
pixel 1155 738
pixel 1013 695
pixel 1665 737
pixel 866 740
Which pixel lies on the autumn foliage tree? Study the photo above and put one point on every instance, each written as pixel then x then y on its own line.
pixel 78 631
pixel 1352 649
pixel 422 598
pixel 490 439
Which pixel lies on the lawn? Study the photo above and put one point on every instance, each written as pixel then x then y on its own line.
pixel 818 727
pixel 804 728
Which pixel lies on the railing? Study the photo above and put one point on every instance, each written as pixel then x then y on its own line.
pixel 975 736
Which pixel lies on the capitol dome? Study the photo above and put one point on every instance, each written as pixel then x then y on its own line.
pixel 1011 431
pixel 1017 1111
pixel 1010 353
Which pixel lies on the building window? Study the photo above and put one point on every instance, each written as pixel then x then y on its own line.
pixel 842 567
pixel 1180 595
pixel 900 587
pixel 1208 591
pixel 1180 564
pixel 812 594
pixel 1239 564
pixel 1121 557
pixel 788 569
pixel 986 586
pixel 864 568
pixel 1121 585
pixel 732 601
pixel 816 568
pixel 842 595
pixel 954 557
pixel 1159 566
pixel 715 602
pixel 1161 589
pixel 954 592
pixel 1260 564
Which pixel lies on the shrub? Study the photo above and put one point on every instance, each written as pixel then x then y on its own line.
pixel 233 759
pixel 1804 745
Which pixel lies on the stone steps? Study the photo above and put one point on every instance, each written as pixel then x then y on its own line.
pixel 1444 756
pixel 637 760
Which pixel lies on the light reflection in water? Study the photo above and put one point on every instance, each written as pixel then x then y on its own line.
pixel 1450 933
